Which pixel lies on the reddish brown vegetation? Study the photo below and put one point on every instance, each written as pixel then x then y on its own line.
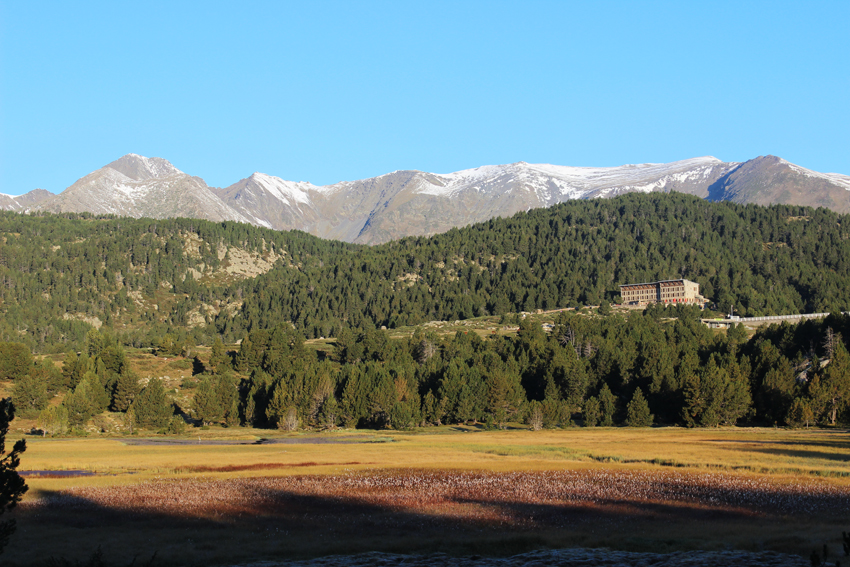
pixel 546 498
pixel 260 467
pixel 202 521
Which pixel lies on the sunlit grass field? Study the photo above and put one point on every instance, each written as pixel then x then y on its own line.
pixel 453 489
pixel 120 460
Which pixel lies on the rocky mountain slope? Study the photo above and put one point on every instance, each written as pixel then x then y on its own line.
pixel 136 186
pixel 25 201
pixel 403 203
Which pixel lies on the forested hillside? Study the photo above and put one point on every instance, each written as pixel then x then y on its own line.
pixel 143 278
pixel 658 366
pixel 176 283
pixel 764 260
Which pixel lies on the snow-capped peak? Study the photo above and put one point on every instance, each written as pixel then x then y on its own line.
pixel 575 181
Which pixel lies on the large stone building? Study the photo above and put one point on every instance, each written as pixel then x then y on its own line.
pixel 667 291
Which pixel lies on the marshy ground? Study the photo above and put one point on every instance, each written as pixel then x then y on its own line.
pixel 457 491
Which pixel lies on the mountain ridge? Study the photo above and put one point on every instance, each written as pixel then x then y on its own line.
pixel 418 203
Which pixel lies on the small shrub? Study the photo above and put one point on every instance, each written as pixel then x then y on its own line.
pixel 535 416
pixel 289 421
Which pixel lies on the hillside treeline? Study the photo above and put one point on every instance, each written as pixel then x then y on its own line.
pixel 57 270
pixel 594 370
pixel 761 260
pixel 660 366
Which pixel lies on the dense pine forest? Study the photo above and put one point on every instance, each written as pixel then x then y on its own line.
pixel 92 287
pixel 144 278
pixel 660 366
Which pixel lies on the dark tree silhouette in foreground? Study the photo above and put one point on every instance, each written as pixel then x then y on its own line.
pixel 12 485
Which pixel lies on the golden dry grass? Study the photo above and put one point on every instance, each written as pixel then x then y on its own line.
pixel 454 489
pixel 763 451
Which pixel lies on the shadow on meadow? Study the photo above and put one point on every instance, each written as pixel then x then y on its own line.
pixel 201 522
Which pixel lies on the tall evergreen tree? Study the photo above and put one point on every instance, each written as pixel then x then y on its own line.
pixel 608 406
pixel 126 389
pixel 637 411
pixel 207 404
pixel 152 408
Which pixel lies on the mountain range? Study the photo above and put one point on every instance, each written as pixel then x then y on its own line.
pixel 405 203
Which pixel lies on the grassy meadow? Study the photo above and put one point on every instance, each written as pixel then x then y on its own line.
pixel 219 496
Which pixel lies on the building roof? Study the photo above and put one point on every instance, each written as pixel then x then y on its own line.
pixel 681 280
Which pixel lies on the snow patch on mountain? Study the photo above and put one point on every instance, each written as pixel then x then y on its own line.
pixel 557 182
pixel 283 190
pixel 842 181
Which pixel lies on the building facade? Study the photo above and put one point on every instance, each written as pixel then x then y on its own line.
pixel 667 291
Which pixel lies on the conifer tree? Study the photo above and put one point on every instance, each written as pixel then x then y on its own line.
pixel 637 411
pixel 608 406
pixel 278 405
pixel 206 403
pixel 152 408
pixel 833 392
pixel 29 394
pixel 126 389
pixel 505 396
pixel 94 343
pixel 12 485
pixel 79 404
pixel 429 409
pixel 592 412
pixel 15 360
pixel 231 416
pixel 245 360
pixel 227 393
pixel 800 414
pixel 219 361
pixel 99 397
pixel 329 413
pixel 69 370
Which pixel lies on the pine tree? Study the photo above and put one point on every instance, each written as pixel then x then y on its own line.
pixel 126 389
pixel 505 395
pixel 592 412
pixel 429 409
pixel 637 411
pixel 250 410
pixel 12 485
pixel 69 370
pixel 79 404
pixel 835 382
pixel 800 414
pixel 231 416
pixel 329 413
pixel 219 361
pixel 278 405
pixel 99 397
pixel 152 408
pixel 94 343
pixel 29 395
pixel 608 406
pixel 245 360
pixel 15 360
pixel 206 404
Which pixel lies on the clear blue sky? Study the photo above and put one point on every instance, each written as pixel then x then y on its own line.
pixel 331 91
